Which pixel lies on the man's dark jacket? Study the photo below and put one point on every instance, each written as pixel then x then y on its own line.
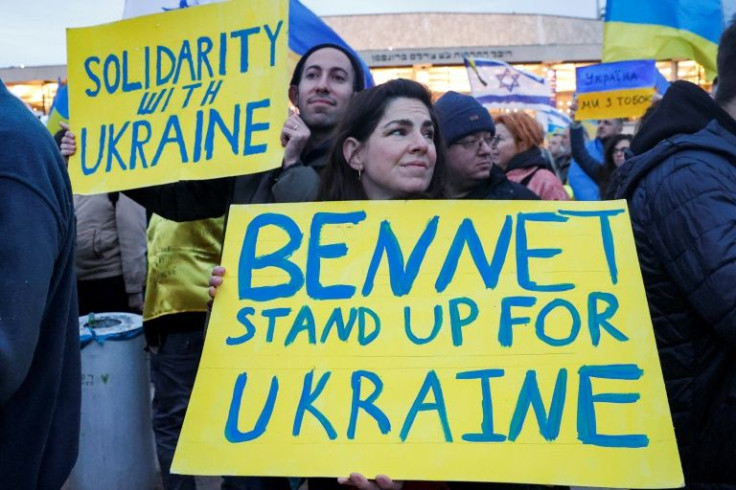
pixel 200 199
pixel 681 189
pixel 498 187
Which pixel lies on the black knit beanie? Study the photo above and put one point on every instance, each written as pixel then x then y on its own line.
pixel 460 115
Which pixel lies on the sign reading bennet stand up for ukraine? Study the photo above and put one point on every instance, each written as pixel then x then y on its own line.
pixel 457 341
pixel 190 94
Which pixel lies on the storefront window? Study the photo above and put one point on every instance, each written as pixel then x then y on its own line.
pixel 39 95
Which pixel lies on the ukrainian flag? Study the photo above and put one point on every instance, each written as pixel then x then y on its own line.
pixel 663 29
pixel 306 29
pixel 59 110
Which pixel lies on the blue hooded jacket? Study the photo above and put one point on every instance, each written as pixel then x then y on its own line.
pixel 681 189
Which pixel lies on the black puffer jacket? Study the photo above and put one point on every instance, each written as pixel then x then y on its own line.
pixel 498 187
pixel 190 200
pixel 681 189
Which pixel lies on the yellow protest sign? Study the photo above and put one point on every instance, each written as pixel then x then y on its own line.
pixel 614 103
pixel 445 340
pixel 190 94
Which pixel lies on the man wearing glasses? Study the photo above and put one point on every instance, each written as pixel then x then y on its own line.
pixel 469 133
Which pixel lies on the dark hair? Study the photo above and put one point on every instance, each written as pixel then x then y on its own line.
pixel 340 182
pixel 606 170
pixel 359 80
pixel 726 63
pixel 648 113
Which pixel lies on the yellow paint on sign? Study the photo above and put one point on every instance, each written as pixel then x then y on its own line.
pixel 446 340
pixel 190 94
pixel 614 103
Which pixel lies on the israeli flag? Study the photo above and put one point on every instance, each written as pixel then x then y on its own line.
pixel 497 84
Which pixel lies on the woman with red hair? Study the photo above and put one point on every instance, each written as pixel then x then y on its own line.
pixel 516 149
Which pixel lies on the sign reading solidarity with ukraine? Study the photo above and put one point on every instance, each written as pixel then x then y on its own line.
pixel 621 89
pixel 461 340
pixel 189 94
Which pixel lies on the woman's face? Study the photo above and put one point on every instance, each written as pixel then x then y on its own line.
pixel 398 159
pixel 504 146
pixel 619 152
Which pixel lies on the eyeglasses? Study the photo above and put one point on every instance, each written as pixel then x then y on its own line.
pixel 619 150
pixel 475 143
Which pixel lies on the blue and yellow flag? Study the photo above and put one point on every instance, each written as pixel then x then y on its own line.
pixel 59 111
pixel 663 29
pixel 306 29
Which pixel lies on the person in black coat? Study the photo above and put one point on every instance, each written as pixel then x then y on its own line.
pixel 681 189
pixel 468 129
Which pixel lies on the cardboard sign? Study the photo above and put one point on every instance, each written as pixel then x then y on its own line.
pixel 614 103
pixel 622 89
pixel 190 94
pixel 432 340
pixel 615 76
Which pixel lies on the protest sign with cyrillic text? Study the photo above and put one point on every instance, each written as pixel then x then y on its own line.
pixel 621 89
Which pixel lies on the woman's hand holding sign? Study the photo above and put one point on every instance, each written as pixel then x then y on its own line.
pixel 215 282
pixel 382 482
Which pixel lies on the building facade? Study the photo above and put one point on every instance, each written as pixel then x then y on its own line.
pixel 429 48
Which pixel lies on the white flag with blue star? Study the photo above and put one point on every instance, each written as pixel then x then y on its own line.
pixel 497 84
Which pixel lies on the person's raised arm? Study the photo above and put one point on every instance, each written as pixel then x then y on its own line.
pixel 295 181
pixel 186 200
pixel 580 153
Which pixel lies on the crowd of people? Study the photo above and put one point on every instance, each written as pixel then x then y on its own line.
pixel 348 142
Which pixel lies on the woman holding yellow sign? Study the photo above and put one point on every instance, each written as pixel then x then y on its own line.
pixel 388 146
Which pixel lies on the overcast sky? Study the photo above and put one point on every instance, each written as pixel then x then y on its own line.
pixel 32 32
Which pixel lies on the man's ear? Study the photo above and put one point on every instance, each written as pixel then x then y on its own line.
pixel 294 95
pixel 353 154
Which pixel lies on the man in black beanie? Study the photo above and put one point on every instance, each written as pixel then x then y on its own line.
pixel 681 189
pixel 468 131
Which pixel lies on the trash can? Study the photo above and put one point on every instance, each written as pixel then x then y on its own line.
pixel 116 447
